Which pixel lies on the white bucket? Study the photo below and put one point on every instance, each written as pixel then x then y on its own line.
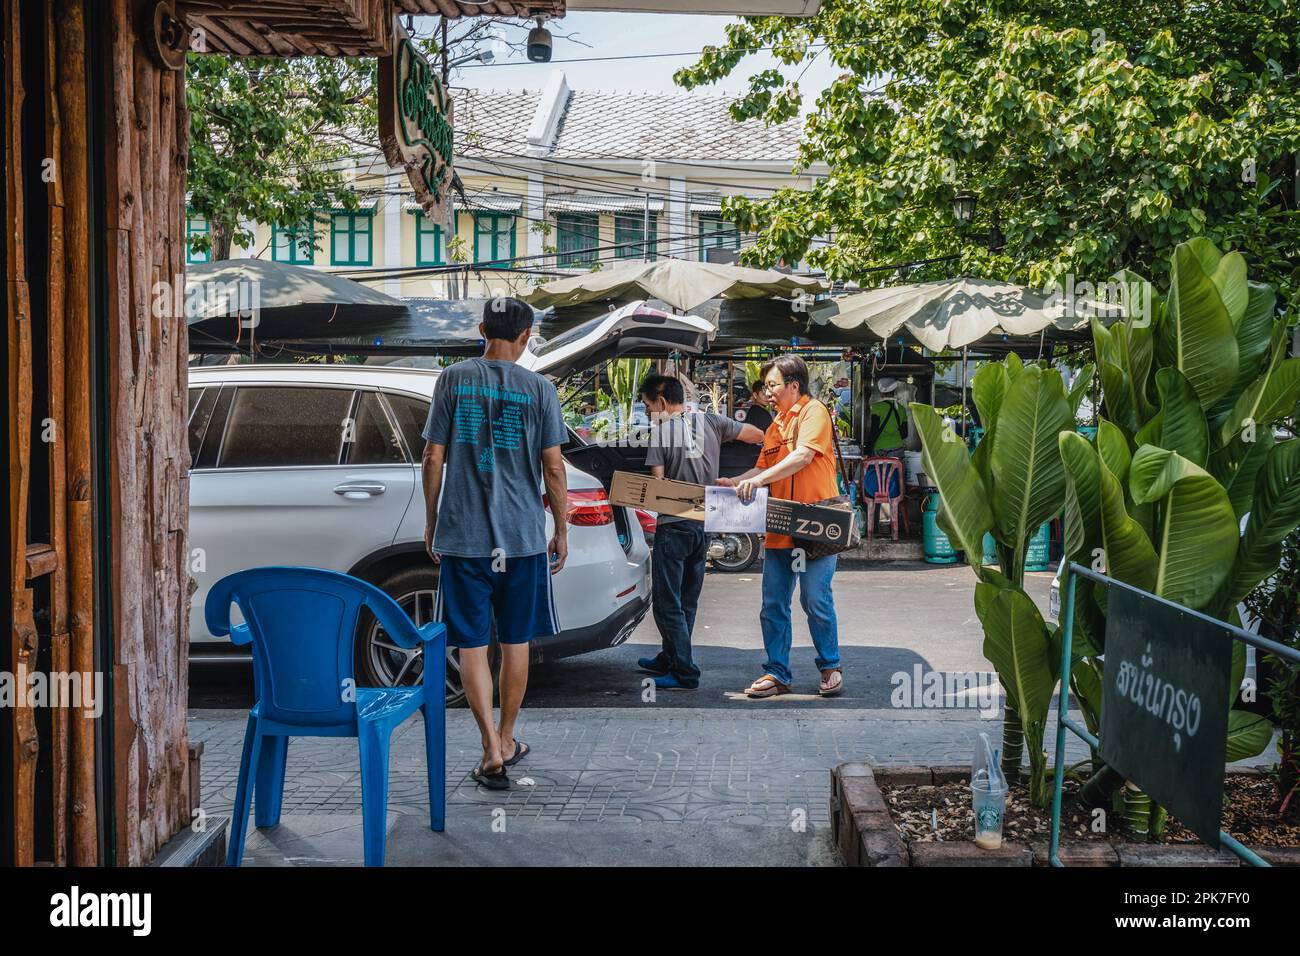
pixel 912 468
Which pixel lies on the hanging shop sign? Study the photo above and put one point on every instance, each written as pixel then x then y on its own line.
pixel 1164 710
pixel 415 121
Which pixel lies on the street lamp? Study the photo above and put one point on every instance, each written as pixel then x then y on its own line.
pixel 963 206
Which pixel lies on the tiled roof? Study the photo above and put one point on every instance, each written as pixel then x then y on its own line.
pixel 493 121
pixel 578 202
pixel 667 126
pixel 601 124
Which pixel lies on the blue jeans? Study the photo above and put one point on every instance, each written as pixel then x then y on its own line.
pixel 818 603
pixel 677 569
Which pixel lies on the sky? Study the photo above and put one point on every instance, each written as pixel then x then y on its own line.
pixel 629 34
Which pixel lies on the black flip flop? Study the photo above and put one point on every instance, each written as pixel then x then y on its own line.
pixel 522 750
pixel 493 781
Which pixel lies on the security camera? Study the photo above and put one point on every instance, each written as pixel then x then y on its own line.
pixel 539 44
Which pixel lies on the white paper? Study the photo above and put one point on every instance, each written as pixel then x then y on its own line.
pixel 723 511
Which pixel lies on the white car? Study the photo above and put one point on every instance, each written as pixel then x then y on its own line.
pixel 319 465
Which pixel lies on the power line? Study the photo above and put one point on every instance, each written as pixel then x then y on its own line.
pixel 632 56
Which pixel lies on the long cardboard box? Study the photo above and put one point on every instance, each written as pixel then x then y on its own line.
pixel 686 500
pixel 681 499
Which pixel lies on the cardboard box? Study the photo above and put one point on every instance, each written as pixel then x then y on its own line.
pixel 686 500
pixel 810 522
pixel 681 499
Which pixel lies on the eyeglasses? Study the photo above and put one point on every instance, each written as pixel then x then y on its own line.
pixel 773 386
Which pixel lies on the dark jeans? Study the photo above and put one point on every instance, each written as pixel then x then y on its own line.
pixel 678 571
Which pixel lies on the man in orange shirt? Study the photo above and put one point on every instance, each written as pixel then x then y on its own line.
pixel 797 463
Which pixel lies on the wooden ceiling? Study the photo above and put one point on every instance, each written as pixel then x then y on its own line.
pixel 328 27
pixel 523 9
pixel 289 28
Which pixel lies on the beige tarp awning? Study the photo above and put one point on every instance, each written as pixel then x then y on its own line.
pixel 950 313
pixel 679 283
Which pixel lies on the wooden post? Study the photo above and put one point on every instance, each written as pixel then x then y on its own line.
pixel 54 432
pixel 145 162
pixel 80 547
pixel 26 744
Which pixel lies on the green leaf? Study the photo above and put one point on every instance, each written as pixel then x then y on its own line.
pixel 1271 397
pixel 1274 513
pixel 988 387
pixel 1198 531
pixel 1016 643
pixel 1254 332
pixel 1129 554
pixel 1014 366
pixel 1079 390
pixel 1117 395
pixel 1180 424
pixel 1235 466
pixel 1114 450
pixel 964 507
pixel 1227 272
pixel 1198 334
pixel 1082 496
pixel 1248 735
pixel 1028 477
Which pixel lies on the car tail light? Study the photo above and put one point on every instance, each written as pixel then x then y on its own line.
pixel 648 521
pixel 588 507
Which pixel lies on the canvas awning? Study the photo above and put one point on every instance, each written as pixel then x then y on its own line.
pixel 679 283
pixel 234 299
pixel 949 313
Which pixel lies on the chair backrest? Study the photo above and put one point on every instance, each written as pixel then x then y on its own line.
pixel 882 477
pixel 302 624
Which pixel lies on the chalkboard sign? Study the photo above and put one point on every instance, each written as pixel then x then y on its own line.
pixel 1164 712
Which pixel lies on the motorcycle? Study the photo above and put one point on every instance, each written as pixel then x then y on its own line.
pixel 729 551
pixel 734 551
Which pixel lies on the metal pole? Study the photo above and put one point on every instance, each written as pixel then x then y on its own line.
pixel 645 231
pixel 1062 712
pixel 963 388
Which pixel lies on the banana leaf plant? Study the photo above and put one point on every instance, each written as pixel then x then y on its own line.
pixel 1012 482
pixel 1184 491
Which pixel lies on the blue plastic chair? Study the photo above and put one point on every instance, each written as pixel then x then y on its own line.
pixel 302 624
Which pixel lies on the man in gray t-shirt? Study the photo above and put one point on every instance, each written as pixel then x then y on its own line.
pixel 684 446
pixel 493 441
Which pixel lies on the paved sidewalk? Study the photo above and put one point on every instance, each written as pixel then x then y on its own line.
pixel 604 786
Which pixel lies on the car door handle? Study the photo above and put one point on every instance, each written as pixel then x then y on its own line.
pixel 356 490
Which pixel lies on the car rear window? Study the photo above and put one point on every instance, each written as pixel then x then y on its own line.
pixel 411 414
pixel 372 440
pixel 270 426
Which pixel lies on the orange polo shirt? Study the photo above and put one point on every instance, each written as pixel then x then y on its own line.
pixel 806 425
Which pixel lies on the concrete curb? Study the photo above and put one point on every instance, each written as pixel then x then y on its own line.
pixel 863 831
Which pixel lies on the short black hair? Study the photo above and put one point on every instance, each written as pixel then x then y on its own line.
pixel 666 387
pixel 792 369
pixel 756 386
pixel 505 317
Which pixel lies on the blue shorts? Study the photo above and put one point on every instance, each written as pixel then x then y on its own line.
pixel 471 594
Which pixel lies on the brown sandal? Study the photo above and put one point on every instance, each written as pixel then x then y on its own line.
pixel 828 689
pixel 767 686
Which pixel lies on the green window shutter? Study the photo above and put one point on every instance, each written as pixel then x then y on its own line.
pixel 350 238
pixel 196 225
pixel 428 241
pixel 577 236
pixel 630 238
pixel 293 245
pixel 494 239
pixel 717 233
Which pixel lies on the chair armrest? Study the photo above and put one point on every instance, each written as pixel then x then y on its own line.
pixel 434 631
pixel 401 629
pixel 240 635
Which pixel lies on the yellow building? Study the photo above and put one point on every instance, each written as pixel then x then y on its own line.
pixel 556 181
